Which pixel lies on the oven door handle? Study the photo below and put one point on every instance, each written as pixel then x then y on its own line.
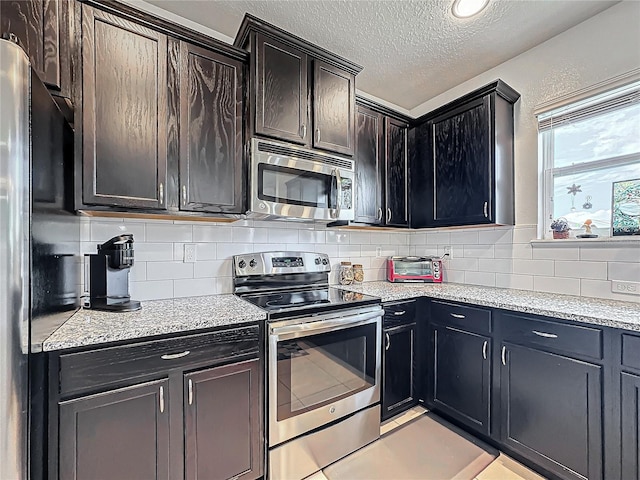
pixel 322 326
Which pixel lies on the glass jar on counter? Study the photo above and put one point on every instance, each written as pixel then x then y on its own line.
pixel 358 273
pixel 345 275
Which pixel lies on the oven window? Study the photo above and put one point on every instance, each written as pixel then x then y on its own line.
pixel 293 186
pixel 317 370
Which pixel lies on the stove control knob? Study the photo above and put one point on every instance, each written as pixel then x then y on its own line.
pixel 253 263
pixel 325 261
pixel 242 264
pixel 318 261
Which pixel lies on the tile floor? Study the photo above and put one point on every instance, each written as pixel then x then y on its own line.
pixel 502 468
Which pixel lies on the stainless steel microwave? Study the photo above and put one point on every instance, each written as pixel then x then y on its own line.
pixel 289 182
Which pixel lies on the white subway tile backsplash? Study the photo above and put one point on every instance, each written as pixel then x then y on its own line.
pixel 360 238
pixel 283 236
pixel 576 269
pixel 211 233
pixel 248 235
pixel 497 265
pixel 463 237
pixel 213 269
pixel 458 263
pixel 565 286
pixel 514 250
pixel 154 290
pixel 602 289
pixel 102 230
pixel 487 279
pixel 157 232
pixel 491 237
pixel 556 253
pixel 533 267
pixel 628 272
pixel 439 238
pixel 169 270
pixel 138 273
pixel 610 254
pixel 194 287
pixel 380 238
pixel 524 233
pixel 418 238
pixel 454 276
pixel 311 236
pixel 227 250
pixel 478 251
pixel 153 252
pixel 349 250
pixel 336 236
pixel 224 285
pixel 519 282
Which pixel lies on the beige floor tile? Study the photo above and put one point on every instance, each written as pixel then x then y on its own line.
pixel 387 426
pixel 317 476
pixel 505 468
pixel 409 415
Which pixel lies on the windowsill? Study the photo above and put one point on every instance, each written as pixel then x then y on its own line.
pixel 627 241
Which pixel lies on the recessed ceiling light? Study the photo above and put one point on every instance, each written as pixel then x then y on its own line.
pixel 468 8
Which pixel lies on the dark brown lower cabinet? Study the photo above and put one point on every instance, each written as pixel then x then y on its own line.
pixel 121 433
pixel 222 422
pixel 398 361
pixel 551 409
pixel 630 420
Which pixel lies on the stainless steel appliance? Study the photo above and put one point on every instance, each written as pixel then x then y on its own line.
pixel 109 275
pixel 414 269
pixel 39 244
pixel 295 183
pixel 323 350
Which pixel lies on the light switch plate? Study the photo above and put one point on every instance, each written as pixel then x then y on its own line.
pixel 629 288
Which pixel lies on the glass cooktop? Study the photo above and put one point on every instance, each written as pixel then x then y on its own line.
pixel 316 299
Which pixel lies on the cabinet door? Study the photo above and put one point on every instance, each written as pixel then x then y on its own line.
pixel 551 411
pixel 398 370
pixel 396 173
pixel 461 145
pixel 222 422
pixel 282 104
pixel 42 27
pixel 211 153
pixel 369 166
pixel 124 81
pixel 121 433
pixel 334 108
pixel 630 420
pixel 461 376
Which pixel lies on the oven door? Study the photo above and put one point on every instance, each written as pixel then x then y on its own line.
pixel 322 369
pixel 285 186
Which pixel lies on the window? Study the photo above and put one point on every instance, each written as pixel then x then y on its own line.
pixel 585 147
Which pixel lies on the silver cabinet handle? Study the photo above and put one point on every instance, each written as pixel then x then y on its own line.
pixel 318 134
pixel 400 312
pixel 173 356
pixel 190 392
pixel 544 334
pixel 504 355
pixel 486 206
pixel 161 399
pixel 484 349
pixel 304 130
pixel 161 192
pixel 457 315
pixel 379 214
pixel 388 341
pixel 184 194
pixel 388 214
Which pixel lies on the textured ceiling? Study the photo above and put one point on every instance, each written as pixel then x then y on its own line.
pixel 411 50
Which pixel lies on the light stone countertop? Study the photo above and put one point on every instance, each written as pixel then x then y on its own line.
pixel 157 317
pixel 609 313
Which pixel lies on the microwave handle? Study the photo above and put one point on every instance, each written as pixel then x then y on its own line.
pixel 335 212
pixel 323 326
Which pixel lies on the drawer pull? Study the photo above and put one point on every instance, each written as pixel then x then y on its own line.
pixel 484 349
pixel 388 345
pixel 173 356
pixel 457 315
pixel 161 399
pixel 400 312
pixel 190 392
pixel 545 335
pixel 504 355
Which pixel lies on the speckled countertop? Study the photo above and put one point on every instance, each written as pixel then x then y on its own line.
pixel 158 317
pixel 610 313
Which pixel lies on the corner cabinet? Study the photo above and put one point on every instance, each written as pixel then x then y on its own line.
pixel 462 171
pixel 301 93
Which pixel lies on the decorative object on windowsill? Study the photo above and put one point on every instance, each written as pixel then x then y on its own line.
pixel 573 190
pixel 358 273
pixel 346 273
pixel 587 205
pixel 588 225
pixel 560 228
pixel 625 211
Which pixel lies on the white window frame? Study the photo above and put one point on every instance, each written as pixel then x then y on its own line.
pixel 545 146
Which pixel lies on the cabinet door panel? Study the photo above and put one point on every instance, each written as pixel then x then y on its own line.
pixel 222 418
pixel 462 177
pixel 211 131
pixel 398 367
pixel 461 376
pixel 396 170
pixel 333 108
pixel 117 434
pixel 630 420
pixel 124 68
pixel 552 411
pixel 281 91
pixel 369 171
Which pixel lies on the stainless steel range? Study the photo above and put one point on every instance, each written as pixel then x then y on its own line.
pixel 322 360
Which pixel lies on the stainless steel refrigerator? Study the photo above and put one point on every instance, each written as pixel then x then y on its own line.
pixel 39 246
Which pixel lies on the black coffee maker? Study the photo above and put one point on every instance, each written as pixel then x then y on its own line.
pixel 109 275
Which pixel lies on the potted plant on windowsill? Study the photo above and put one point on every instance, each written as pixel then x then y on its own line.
pixel 560 228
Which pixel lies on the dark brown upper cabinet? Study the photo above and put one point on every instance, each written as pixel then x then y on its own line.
pixel 281 97
pixel 462 171
pixel 397 176
pixel 301 92
pixel 43 29
pixel 333 108
pixel 124 112
pixel 211 154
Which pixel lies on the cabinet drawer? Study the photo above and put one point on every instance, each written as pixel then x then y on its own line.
pixel 116 366
pixel 468 318
pixel 570 339
pixel 399 313
pixel 631 351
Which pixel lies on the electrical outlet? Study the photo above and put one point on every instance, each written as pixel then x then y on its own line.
pixel 378 251
pixel 189 253
pixel 448 251
pixel 630 288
